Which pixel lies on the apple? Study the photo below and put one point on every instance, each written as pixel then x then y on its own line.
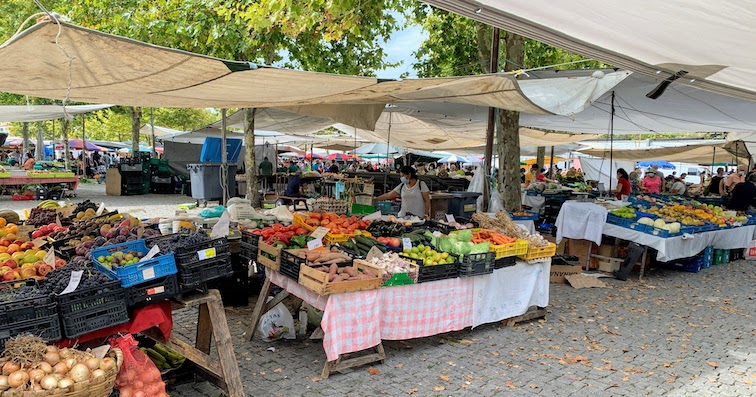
pixel 37 234
pixel 44 269
pixel 11 263
pixel 26 246
pixel 11 275
pixel 37 264
pixel 60 263
pixel 27 266
pixel 28 273
pixel 4 269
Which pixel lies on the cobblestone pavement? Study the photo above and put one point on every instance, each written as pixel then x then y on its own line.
pixel 675 334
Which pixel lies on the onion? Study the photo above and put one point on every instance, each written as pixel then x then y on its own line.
pixel 125 391
pixel 45 367
pixel 3 382
pixel 152 374
pixel 92 363
pixel 60 368
pixel 98 375
pixel 52 358
pixel 18 378
pixel 52 349
pixel 36 387
pixel 36 374
pixel 65 353
pixel 48 382
pixel 70 362
pixel 10 367
pixel 79 373
pixel 107 364
pixel 65 383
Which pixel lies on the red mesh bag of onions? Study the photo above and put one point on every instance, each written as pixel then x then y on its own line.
pixel 138 377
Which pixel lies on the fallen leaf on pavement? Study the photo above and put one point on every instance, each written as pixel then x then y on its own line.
pixel 712 363
pixel 439 388
pixel 315 379
pixel 533 386
pixel 399 366
pixel 277 370
pixel 466 341
pixel 748 382
pixel 411 391
pixel 667 365
pixel 374 371
pixel 510 385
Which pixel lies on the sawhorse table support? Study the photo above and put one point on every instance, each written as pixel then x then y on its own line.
pixel 262 307
pixel 211 324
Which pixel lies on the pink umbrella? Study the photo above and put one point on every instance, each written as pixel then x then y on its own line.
pixel 339 157
pixel 310 156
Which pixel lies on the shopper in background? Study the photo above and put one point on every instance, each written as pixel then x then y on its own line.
pixel 743 195
pixel 733 179
pixel 652 183
pixel 266 167
pixel 678 186
pixel 716 185
pixel 657 172
pixel 29 162
pixel 623 185
pixel 531 176
pixel 442 172
pixel 635 179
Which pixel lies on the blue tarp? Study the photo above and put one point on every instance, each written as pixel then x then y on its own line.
pixel 665 165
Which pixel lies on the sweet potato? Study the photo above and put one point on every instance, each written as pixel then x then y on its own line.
pixel 334 269
pixel 332 277
pixel 351 272
pixel 313 256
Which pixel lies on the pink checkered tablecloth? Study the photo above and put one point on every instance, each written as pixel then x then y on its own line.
pixel 357 321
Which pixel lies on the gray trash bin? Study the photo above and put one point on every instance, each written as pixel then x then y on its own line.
pixel 206 180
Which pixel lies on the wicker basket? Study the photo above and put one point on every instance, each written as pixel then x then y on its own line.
pixel 335 206
pixel 84 389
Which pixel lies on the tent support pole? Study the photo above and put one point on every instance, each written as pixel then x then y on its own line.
pixel 713 158
pixel 551 164
pixel 152 129
pixel 224 158
pixel 64 123
pixel 39 154
pixel 611 144
pixel 84 146
pixel 494 68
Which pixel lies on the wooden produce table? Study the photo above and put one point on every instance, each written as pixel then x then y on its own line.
pixel 357 321
pixel 73 182
pixel 211 324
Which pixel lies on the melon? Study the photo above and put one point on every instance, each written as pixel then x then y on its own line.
pixel 659 223
pixel 10 216
pixel 674 227
pixel 646 221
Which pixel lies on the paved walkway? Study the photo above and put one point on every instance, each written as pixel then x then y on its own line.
pixel 675 334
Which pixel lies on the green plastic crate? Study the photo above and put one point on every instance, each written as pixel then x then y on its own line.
pixel 362 209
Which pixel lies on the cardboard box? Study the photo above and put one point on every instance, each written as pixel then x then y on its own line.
pixel 560 246
pixel 558 272
pixel 609 266
pixel 579 248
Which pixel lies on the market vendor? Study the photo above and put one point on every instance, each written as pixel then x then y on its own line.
pixel 678 186
pixel 415 194
pixel 652 183
pixel 743 195
pixel 29 162
pixel 716 185
pixel 531 176
pixel 623 184
pixel 294 185
pixel 733 179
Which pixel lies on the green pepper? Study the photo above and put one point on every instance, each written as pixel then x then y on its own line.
pixel 299 241
pixel 279 244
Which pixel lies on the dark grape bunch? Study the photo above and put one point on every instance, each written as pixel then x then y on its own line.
pixel 85 205
pixel 57 280
pixel 181 239
pixel 21 293
pixel 41 216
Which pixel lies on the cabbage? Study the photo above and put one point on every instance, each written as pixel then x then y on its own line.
pixel 464 235
pixel 480 248
pixel 445 244
pixel 462 248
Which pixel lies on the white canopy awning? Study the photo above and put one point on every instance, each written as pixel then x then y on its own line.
pixel 700 154
pixel 31 113
pixel 714 41
pixel 113 69
pixel 160 132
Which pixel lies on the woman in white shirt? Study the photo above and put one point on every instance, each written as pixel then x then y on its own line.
pixel 415 194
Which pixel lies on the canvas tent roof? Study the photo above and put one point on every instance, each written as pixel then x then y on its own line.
pixel 701 154
pixel 31 113
pixel 714 41
pixel 132 73
pixel 159 131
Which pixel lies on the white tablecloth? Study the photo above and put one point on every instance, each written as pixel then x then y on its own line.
pixel 356 321
pixel 534 202
pixel 581 220
pixel 676 247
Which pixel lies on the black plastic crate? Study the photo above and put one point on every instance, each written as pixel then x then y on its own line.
pixel 191 252
pixel 196 274
pixel 94 319
pixel 47 328
pixel 248 252
pixel 250 238
pixel 152 291
pixel 435 272
pixel 505 262
pixel 25 309
pixel 476 264
pixel 91 298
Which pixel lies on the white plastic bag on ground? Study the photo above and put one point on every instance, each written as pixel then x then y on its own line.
pixel 277 324
pixel 750 252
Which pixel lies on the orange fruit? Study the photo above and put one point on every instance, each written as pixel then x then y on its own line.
pixel 11 236
pixel 11 228
pixel 13 248
pixel 3 222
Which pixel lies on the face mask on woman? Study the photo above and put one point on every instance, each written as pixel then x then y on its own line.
pixel 404 180
pixel 741 173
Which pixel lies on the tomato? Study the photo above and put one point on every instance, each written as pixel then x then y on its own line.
pixel 316 215
pixel 277 227
pixel 300 231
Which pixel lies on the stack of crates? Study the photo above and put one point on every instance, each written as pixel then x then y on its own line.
pixel 721 256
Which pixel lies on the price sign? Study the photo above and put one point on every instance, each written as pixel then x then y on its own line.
pixel 154 251
pixel 57 220
pixel 206 254
pixel 316 244
pixel 450 218
pixel 437 233
pixel 375 216
pixel 406 243
pixel 100 209
pixel 148 273
pixel 320 232
pixel 155 290
pixel 50 258
pixel 73 283
pixel 220 229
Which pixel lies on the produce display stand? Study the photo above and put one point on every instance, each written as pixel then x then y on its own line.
pixel 222 371
pixel 437 307
pixel 72 182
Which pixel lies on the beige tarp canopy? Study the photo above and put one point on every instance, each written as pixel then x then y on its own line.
pixel 30 113
pixel 412 129
pixel 728 152
pixel 112 69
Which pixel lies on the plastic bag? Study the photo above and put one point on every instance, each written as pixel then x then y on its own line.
pixel 214 212
pixel 496 204
pixel 277 324
pixel 477 184
pixel 138 373
pixel 750 252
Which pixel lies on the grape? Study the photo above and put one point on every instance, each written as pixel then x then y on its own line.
pixel 180 240
pixel 57 280
pixel 41 216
